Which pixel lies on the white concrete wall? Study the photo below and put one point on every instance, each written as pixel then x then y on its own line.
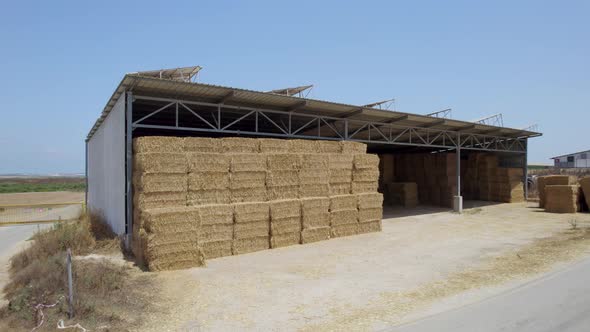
pixel 106 168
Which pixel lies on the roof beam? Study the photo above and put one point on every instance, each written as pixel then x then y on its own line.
pixel 227 97
pixel 468 127
pixel 297 106
pixel 399 118
pixel 490 131
pixel 352 113
pixel 432 124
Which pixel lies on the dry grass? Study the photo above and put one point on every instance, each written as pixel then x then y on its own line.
pixel 107 293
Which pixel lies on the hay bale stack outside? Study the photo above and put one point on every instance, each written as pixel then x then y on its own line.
pixel 370 212
pixel 302 146
pixel 585 185
pixel 328 147
pixel 314 176
pixel 365 173
pixel 285 223
pixel 561 198
pixel 315 215
pixel 340 177
pixel 273 145
pixel 349 147
pixel 248 178
pixel 550 180
pixel 208 178
pixel 251 228
pixel 282 176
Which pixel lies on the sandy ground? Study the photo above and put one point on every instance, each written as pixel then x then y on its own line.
pixel 42 198
pixel 328 285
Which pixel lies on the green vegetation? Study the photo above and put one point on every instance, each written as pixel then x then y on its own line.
pixel 14 185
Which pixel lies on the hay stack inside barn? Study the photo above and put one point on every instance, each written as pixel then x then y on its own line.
pixel 246 195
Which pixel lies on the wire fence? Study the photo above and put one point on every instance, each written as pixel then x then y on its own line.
pixel 40 213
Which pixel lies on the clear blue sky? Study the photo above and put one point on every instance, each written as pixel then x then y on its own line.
pixel 529 60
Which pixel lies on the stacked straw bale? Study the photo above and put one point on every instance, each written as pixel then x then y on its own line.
pixel 348 147
pixel 285 223
pixel 550 180
pixel 314 175
pixel 315 216
pixel 561 198
pixel 217 230
pixel 168 239
pixel 273 145
pixel 585 186
pixel 365 173
pixel 208 178
pixel 239 145
pixel 302 146
pixel 403 193
pixel 282 176
pixel 386 173
pixel 247 177
pixel 251 228
pixel 202 144
pixel 370 212
pixel 343 215
pixel 340 173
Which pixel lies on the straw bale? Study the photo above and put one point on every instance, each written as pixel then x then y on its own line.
pixel 248 162
pixel 208 162
pixel 273 145
pixel 160 162
pixel 284 240
pixel 251 211
pixel 202 144
pixel 314 161
pixel 353 147
pixel 343 202
pixel 252 244
pixel 340 176
pixel 144 201
pixel 149 183
pixel 364 187
pixel 216 214
pixel 282 192
pixel 365 175
pixel 561 198
pixel 285 225
pixel 247 180
pixel 315 212
pixel 340 188
pixel 585 184
pixel 208 196
pixel 278 178
pixel 216 232
pixel 252 229
pixel 344 230
pixel 311 235
pixel 214 249
pixel 303 146
pixel 329 147
pixel 239 145
pixel 340 161
pixel 370 214
pixel 208 180
pixel 167 265
pixel 248 195
pixel 314 176
pixel 370 200
pixel 157 144
pixel 285 208
pixel 283 161
pixel 369 227
pixel 168 220
pixel 549 180
pixel 343 217
pixel 366 161
pixel 314 190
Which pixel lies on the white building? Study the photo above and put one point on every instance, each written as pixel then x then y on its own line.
pixel 576 159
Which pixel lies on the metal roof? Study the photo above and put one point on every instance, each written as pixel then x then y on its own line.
pixel 159 87
pixel 570 154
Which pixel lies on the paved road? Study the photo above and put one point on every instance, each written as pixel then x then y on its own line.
pixel 10 236
pixel 557 302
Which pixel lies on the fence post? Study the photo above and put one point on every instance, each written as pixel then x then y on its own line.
pixel 70 286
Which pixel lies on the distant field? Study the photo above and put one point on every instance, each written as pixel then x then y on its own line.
pixel 41 184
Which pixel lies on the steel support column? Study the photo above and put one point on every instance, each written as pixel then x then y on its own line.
pixel 525 169
pixel 128 169
pixel 86 175
pixel 458 199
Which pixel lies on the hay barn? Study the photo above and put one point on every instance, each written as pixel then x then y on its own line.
pixel 412 159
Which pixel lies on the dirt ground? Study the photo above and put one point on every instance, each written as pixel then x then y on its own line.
pixel 41 197
pixel 364 282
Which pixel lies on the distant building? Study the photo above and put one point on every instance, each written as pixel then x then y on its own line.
pixel 573 160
